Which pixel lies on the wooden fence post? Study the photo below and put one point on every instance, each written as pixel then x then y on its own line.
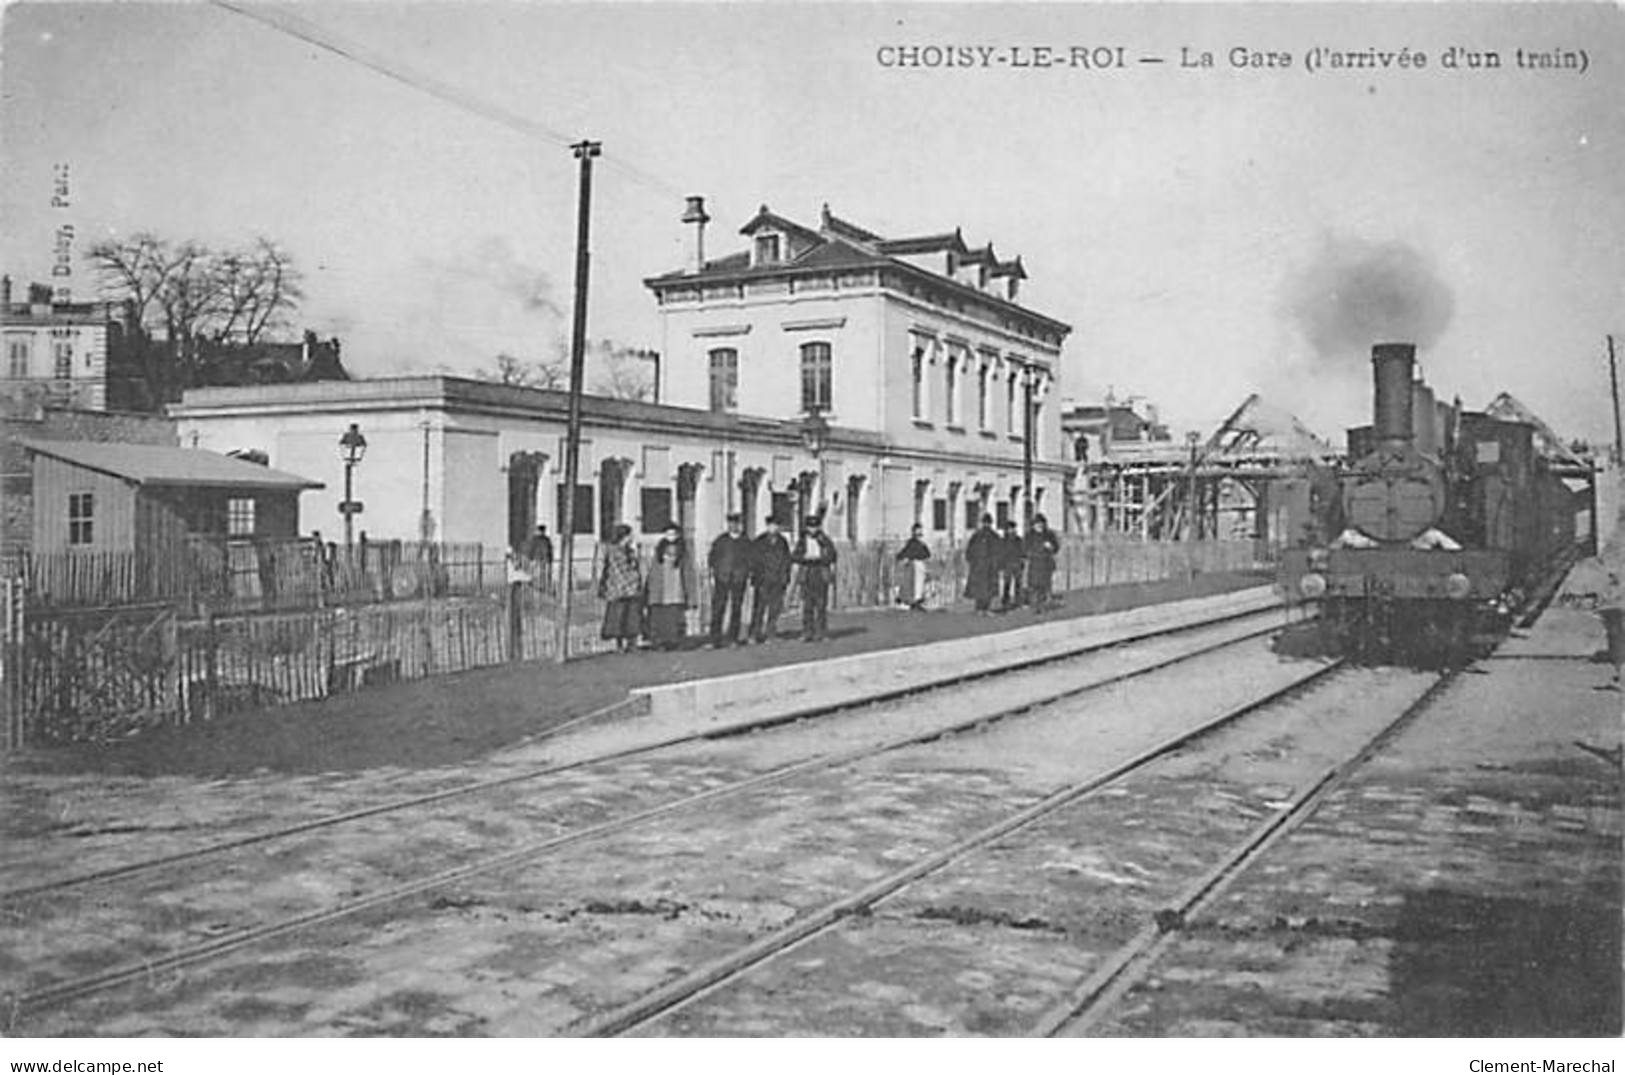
pixel 212 672
pixel 516 648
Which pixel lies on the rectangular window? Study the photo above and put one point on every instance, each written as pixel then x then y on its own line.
pixel 656 506
pixel 1001 513
pixel 582 523
pixel 984 408
pixel 817 380
pixel 953 390
pixel 939 514
pixel 724 379
pixel 17 359
pixel 81 518
pixel 1010 407
pixel 240 516
pixel 917 372
pixel 64 361
pixel 767 249
pixel 973 514
pixel 784 509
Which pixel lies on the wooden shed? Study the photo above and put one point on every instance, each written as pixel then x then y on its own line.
pixel 148 499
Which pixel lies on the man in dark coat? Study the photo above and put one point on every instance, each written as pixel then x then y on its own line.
pixel 730 571
pixel 815 555
pixel 982 566
pixel 1042 547
pixel 539 551
pixel 769 578
pixel 1012 557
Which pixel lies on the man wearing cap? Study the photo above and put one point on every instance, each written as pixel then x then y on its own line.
pixel 769 578
pixel 730 570
pixel 815 555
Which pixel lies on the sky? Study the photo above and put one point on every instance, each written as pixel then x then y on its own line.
pixel 1207 231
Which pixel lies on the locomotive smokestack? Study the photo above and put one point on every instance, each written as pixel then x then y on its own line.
pixel 1391 367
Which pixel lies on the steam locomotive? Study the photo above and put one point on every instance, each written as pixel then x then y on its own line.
pixel 1438 527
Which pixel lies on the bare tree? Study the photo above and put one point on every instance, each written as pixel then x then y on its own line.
pixel 192 293
pixel 138 269
pixel 258 287
pixel 510 369
pixel 622 372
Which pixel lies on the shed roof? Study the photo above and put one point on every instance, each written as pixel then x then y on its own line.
pixel 149 464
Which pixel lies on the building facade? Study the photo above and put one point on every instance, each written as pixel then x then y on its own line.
pixel 911 356
pixel 918 341
pixel 67 354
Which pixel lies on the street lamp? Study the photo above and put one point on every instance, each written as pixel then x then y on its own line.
pixel 815 438
pixel 352 447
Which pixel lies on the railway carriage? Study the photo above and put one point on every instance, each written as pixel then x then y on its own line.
pixel 1441 523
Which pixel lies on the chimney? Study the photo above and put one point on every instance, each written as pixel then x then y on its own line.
pixel 695 214
pixel 1391 367
pixel 5 293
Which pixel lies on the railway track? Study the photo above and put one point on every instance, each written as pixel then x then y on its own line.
pixel 1086 1001
pixel 61 991
pixel 416 802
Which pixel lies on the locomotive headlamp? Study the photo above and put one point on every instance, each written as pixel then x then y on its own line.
pixel 1312 585
pixel 1458 586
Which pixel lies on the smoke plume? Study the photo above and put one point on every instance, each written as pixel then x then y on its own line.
pixel 1356 293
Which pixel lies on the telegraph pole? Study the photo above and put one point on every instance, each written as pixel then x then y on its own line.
pixel 1613 384
pixel 1027 446
pixel 584 152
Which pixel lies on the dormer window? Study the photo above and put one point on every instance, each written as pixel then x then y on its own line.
pixel 768 249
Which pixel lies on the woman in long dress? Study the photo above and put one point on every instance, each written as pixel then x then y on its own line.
pixel 620 584
pixel 669 591
pixel 913 556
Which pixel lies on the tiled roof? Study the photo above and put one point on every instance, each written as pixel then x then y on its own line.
pixel 925 244
pixel 841 244
pixel 148 464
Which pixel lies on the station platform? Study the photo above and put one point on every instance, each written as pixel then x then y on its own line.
pixel 464 718
pixel 816 683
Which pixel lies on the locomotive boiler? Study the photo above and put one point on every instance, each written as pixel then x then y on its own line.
pixel 1434 530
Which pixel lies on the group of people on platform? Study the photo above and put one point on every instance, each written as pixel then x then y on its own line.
pixel 655 606
pixel 652 604
pixel 1007 567
pixel 1011 568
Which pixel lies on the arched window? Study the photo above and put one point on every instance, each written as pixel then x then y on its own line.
pixel 724 379
pixel 817 377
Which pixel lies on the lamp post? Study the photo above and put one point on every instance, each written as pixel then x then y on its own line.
pixel 815 438
pixel 352 447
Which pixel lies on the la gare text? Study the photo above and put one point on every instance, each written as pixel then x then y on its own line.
pixel 1238 58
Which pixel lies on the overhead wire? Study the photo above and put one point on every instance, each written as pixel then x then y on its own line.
pixel 286 22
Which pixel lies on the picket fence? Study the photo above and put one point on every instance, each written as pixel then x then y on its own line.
pixel 109 672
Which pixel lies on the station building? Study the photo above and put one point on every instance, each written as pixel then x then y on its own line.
pixel 912 354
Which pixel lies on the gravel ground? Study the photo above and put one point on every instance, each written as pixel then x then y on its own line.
pixel 1465 883
pixel 612 917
